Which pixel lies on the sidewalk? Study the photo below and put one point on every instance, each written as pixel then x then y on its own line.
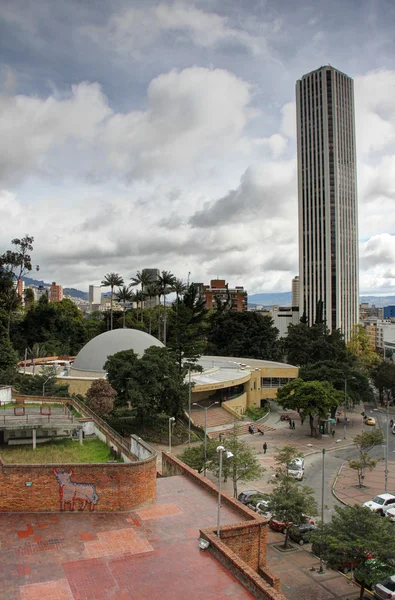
pixel 347 490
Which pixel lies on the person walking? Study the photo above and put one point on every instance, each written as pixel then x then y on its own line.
pixel 264 448
pixel 293 424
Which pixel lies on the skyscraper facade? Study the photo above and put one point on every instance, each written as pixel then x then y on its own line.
pixel 327 193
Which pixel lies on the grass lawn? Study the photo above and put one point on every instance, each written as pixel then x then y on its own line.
pixel 58 451
pixel 31 404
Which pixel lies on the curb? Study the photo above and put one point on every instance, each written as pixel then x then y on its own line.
pixel 334 486
pixel 329 449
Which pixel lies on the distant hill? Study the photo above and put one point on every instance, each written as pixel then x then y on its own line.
pixel 281 299
pixel 285 299
pixel 68 291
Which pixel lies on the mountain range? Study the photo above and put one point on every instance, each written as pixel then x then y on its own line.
pixel 263 299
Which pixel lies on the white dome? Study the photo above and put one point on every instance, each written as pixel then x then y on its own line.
pixel 94 354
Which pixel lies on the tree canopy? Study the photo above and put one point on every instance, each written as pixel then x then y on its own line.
pixel 304 344
pixel 151 384
pixel 245 334
pixel 309 398
pixel 354 535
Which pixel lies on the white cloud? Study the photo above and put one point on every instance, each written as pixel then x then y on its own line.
pixel 132 30
pixel 188 113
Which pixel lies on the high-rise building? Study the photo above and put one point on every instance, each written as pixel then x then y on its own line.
pixel 55 292
pixel 295 291
pixel 327 192
pixel 94 296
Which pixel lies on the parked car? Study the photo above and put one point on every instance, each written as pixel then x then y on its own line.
pixel 260 507
pixel 391 514
pixel 296 468
pixel 244 497
pixel 301 533
pixel 277 525
pixel 385 590
pixel 381 503
pixel 342 564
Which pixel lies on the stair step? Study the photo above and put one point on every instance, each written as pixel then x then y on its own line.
pixel 240 429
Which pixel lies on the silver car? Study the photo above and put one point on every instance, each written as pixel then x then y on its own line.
pixel 385 590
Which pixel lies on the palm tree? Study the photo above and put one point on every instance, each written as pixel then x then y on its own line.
pixel 124 295
pixel 111 280
pixel 143 278
pixel 151 291
pixel 138 298
pixel 179 288
pixel 166 282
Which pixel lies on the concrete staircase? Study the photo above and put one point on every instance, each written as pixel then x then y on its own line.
pixel 240 429
pixel 216 417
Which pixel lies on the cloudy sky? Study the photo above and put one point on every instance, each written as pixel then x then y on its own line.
pixel 141 134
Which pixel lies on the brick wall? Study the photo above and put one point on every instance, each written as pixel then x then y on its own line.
pixel 120 487
pixel 264 585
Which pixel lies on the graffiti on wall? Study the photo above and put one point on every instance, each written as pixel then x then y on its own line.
pixel 72 492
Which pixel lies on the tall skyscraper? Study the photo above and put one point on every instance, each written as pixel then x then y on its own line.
pixel 295 291
pixel 327 192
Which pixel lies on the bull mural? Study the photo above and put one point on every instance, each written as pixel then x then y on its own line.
pixel 69 491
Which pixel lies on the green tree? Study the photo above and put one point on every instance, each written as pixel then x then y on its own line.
pixel 151 291
pixel 165 282
pixel 28 296
pixel 14 265
pixel 124 295
pixel 361 348
pixel 151 384
pixel 358 384
pixel 384 379
pixel 112 280
pixel 44 384
pixel 304 344
pixel 194 456
pixel 310 399
pixel 245 334
pixel 188 328
pixel 143 279
pixel 365 441
pixel 8 356
pixel 100 397
pixel 290 502
pixel 243 466
pixel 355 535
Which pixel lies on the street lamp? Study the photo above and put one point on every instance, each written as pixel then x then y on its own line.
pixel 386 449
pixel 322 504
pixel 228 454
pixel 345 404
pixel 189 405
pixel 205 408
pixel 50 377
pixel 171 421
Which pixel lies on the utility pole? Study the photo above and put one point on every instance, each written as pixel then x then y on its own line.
pixel 322 570
pixel 386 449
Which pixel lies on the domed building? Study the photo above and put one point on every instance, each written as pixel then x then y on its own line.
pixel 89 362
pixel 92 357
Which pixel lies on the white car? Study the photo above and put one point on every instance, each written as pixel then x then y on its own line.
pixel 385 590
pixel 296 468
pixel 381 503
pixel 391 514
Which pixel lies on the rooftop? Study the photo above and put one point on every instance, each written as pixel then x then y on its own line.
pixel 149 553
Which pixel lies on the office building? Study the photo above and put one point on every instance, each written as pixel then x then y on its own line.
pixel 327 193
pixel 218 289
pixel 295 291
pixel 94 297
pixel 55 292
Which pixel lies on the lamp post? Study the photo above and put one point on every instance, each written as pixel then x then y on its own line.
pixel 205 408
pixel 228 454
pixel 189 406
pixel 321 570
pixel 386 450
pixel 345 404
pixel 50 377
pixel 171 421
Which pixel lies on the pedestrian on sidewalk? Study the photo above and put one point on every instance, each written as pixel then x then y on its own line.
pixel 264 448
pixel 290 424
pixel 301 420
pixel 260 431
pixel 293 424
pixel 251 429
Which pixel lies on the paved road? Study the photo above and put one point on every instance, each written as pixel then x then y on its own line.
pixel 313 478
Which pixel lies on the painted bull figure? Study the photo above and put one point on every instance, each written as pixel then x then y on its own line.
pixel 70 491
